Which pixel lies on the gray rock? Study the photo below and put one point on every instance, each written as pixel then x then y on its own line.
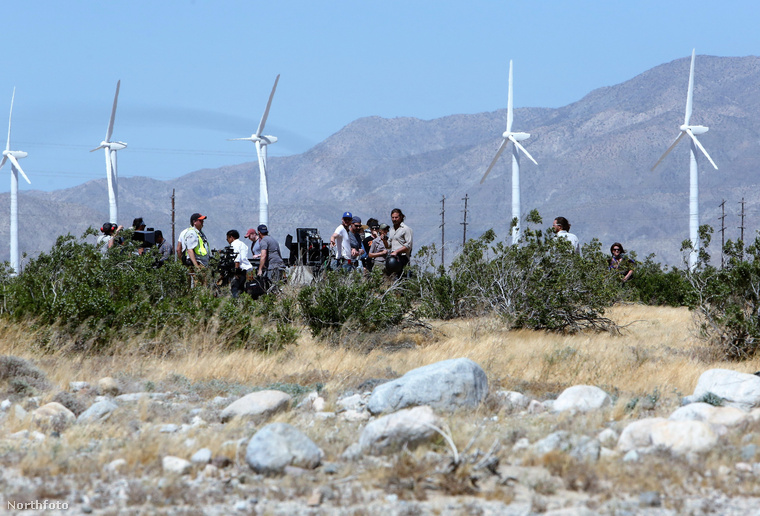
pixel 740 390
pixel 108 386
pixel 680 437
pixel 278 445
pixel 408 427
pixel 258 405
pixel 97 412
pixel 749 452
pixel 513 401
pixel 53 415
pixel 446 385
pixel 631 456
pixel 650 499
pixel 581 447
pixel 725 416
pixel 202 456
pixel 5 405
pixel 78 386
pixel 355 403
pixel 581 398
pixel 176 465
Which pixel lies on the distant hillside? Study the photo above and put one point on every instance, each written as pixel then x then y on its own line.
pixel 594 158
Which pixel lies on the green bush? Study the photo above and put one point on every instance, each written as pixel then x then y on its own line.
pixel 96 298
pixel 726 301
pixel 539 283
pixel 340 300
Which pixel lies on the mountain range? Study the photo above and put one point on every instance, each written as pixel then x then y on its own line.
pixel 594 159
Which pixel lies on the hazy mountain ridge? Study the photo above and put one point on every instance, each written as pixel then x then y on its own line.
pixel 594 158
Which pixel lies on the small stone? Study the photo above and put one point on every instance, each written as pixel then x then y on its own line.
pixel 78 386
pixel 176 465
pixel 108 386
pixel 749 451
pixel 631 456
pixel 5 405
pixel 115 465
pixel 202 456
pixel 650 499
pixel 315 499
pixel 169 429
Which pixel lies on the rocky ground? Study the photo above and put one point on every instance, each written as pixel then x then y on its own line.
pixel 434 441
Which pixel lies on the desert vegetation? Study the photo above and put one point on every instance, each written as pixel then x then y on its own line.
pixel 537 318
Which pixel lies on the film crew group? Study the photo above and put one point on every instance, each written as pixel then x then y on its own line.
pixel 146 237
pixel 389 248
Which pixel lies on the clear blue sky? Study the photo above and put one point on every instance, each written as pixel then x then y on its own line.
pixel 194 73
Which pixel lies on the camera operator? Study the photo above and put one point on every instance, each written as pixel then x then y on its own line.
pixel 242 265
pixel 164 247
pixel 271 259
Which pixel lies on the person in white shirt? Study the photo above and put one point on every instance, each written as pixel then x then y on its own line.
pixel 562 227
pixel 242 265
pixel 340 242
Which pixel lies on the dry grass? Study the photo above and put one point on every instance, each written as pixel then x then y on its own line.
pixel 656 350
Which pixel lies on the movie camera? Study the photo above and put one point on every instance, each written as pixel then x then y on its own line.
pixel 223 263
pixel 308 248
pixel 146 237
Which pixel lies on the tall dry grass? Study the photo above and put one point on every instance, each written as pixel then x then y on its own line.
pixel 656 350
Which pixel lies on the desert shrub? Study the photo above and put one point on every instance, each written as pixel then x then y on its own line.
pixel 726 301
pixel 538 284
pixel 655 284
pixel 96 298
pixel 352 301
pixel 21 376
pixel 72 402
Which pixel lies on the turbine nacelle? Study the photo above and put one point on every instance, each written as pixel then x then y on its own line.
pixel 16 154
pixel 263 140
pixel 695 129
pixel 517 136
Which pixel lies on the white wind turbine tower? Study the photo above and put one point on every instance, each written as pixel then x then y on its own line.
pixel 13 157
pixel 261 142
pixel 691 131
pixel 111 170
pixel 515 138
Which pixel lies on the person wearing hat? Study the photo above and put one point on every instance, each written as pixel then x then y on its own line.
pixel 380 247
pixel 253 236
pixel 271 260
pixel 340 242
pixel 193 244
pixel 370 233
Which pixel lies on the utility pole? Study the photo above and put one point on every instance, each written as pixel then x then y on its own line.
pixel 741 228
pixel 464 224
pixel 443 240
pixel 174 239
pixel 722 231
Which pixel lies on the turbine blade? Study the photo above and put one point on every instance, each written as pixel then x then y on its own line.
pixel 97 148
pixel 690 93
pixel 266 111
pixel 14 162
pixel 517 144
pixel 8 144
pixel 113 112
pixel 239 139
pixel 672 146
pixel 495 159
pixel 704 151
pixel 510 115
pixel 2 163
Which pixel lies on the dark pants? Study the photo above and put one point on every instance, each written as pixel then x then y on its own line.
pixel 237 284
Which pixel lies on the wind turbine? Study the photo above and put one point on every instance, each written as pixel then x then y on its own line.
pixel 111 171
pixel 261 142
pixel 13 157
pixel 691 131
pixel 515 138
